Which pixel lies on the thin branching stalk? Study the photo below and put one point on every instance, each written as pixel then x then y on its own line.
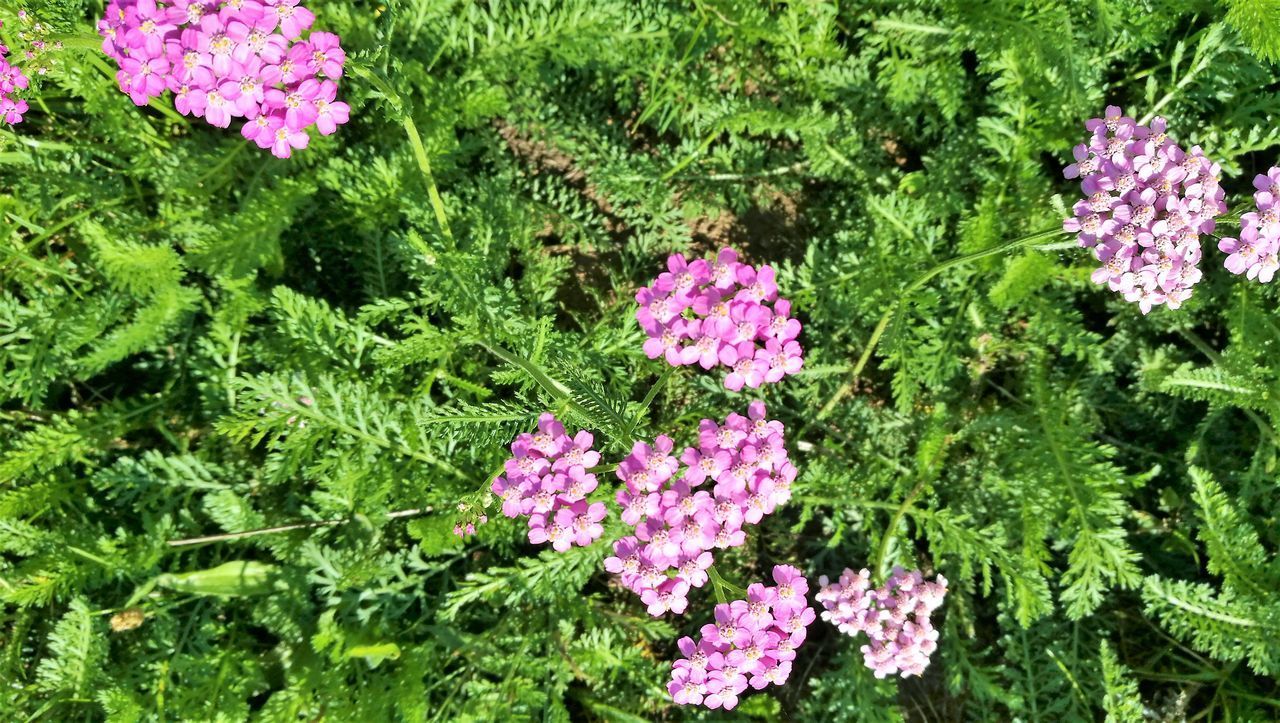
pixel 380 81
pixel 920 281
pixel 188 542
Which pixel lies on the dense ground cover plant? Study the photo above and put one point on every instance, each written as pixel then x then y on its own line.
pixel 247 400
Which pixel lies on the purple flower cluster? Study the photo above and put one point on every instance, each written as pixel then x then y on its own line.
pixel 895 616
pixel 1254 253
pixel 1146 203
pixel 752 642
pixel 12 80
pixel 721 313
pixel 234 59
pixel 676 523
pixel 547 480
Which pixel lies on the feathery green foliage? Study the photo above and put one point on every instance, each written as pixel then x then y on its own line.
pixel 242 399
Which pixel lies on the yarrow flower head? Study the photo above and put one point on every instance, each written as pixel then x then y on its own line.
pixel 678 522
pixel 547 481
pixel 721 313
pixel 1146 202
pixel 231 60
pixel 895 617
pixel 1254 252
pixel 12 80
pixel 751 642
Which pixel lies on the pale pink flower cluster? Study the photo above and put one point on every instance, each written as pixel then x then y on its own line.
pixel 752 642
pixel 895 617
pixel 233 59
pixel 1254 253
pixel 547 480
pixel 676 523
pixel 1146 203
pixel 721 313
pixel 12 80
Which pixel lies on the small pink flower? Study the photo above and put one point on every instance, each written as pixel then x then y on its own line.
pixel 669 596
pixel 626 557
pixel 147 25
pixel 327 56
pixel 687 687
pixel 582 521
pixel 292 17
pixel 143 78
pixel 330 113
pixel 11 110
pixel 1255 253
pixel 213 40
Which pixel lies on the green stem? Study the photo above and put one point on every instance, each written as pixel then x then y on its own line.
pixel 380 81
pixel 552 387
pixel 424 165
pixel 906 294
pixel 720 586
pixel 284 528
pixel 702 147
pixel 76 41
pixel 1263 427
pixel 877 568
pixel 644 404
pixel 1201 61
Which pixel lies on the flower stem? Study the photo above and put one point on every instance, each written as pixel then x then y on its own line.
pixel 906 294
pixel 284 528
pixel 424 165
pixel 877 568
pixel 644 404
pixel 554 387
pixel 722 586
pixel 380 81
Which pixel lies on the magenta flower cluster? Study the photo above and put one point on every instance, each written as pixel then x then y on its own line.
pixel 234 59
pixel 752 642
pixel 547 480
pixel 895 617
pixel 1146 202
pixel 12 80
pixel 1254 252
pixel 676 523
pixel 722 313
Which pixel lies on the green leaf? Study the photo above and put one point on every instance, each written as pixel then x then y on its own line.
pixel 230 579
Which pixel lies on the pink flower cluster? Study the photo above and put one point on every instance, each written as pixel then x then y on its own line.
pixel 1146 203
pixel 234 59
pixel 676 523
pixel 721 313
pixel 752 642
pixel 547 480
pixel 12 80
pixel 895 616
pixel 1254 253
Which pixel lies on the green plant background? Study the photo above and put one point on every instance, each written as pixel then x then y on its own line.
pixel 198 340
